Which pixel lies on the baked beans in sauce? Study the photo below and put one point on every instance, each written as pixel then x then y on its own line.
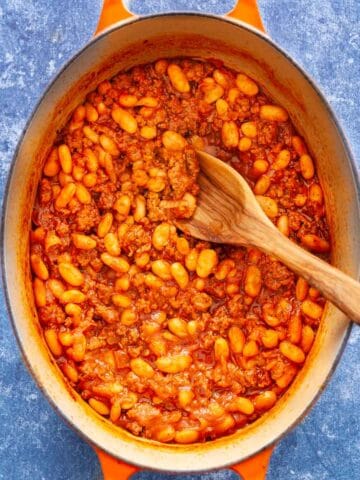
pixel 171 338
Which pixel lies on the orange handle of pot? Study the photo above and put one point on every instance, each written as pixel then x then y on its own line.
pixel 114 10
pixel 114 469
pixel 247 11
pixel 254 468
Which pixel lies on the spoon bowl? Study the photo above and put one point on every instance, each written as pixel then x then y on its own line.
pixel 228 212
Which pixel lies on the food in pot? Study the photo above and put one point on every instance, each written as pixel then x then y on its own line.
pixel 172 338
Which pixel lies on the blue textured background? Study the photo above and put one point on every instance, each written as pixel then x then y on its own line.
pixel 36 38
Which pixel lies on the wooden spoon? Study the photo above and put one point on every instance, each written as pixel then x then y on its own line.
pixel 228 212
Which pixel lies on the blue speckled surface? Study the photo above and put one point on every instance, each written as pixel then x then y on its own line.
pixel 36 38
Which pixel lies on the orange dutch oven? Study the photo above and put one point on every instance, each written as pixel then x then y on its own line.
pixel 123 41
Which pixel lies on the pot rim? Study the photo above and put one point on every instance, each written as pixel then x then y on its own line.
pixel 355 175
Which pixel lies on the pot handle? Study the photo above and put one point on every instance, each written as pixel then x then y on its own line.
pixel 114 469
pixel 254 468
pixel 115 10
pixel 247 11
pixel 112 11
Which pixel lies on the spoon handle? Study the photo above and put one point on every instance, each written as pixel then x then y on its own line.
pixel 342 290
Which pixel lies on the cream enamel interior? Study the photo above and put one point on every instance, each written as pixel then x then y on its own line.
pixel 242 48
